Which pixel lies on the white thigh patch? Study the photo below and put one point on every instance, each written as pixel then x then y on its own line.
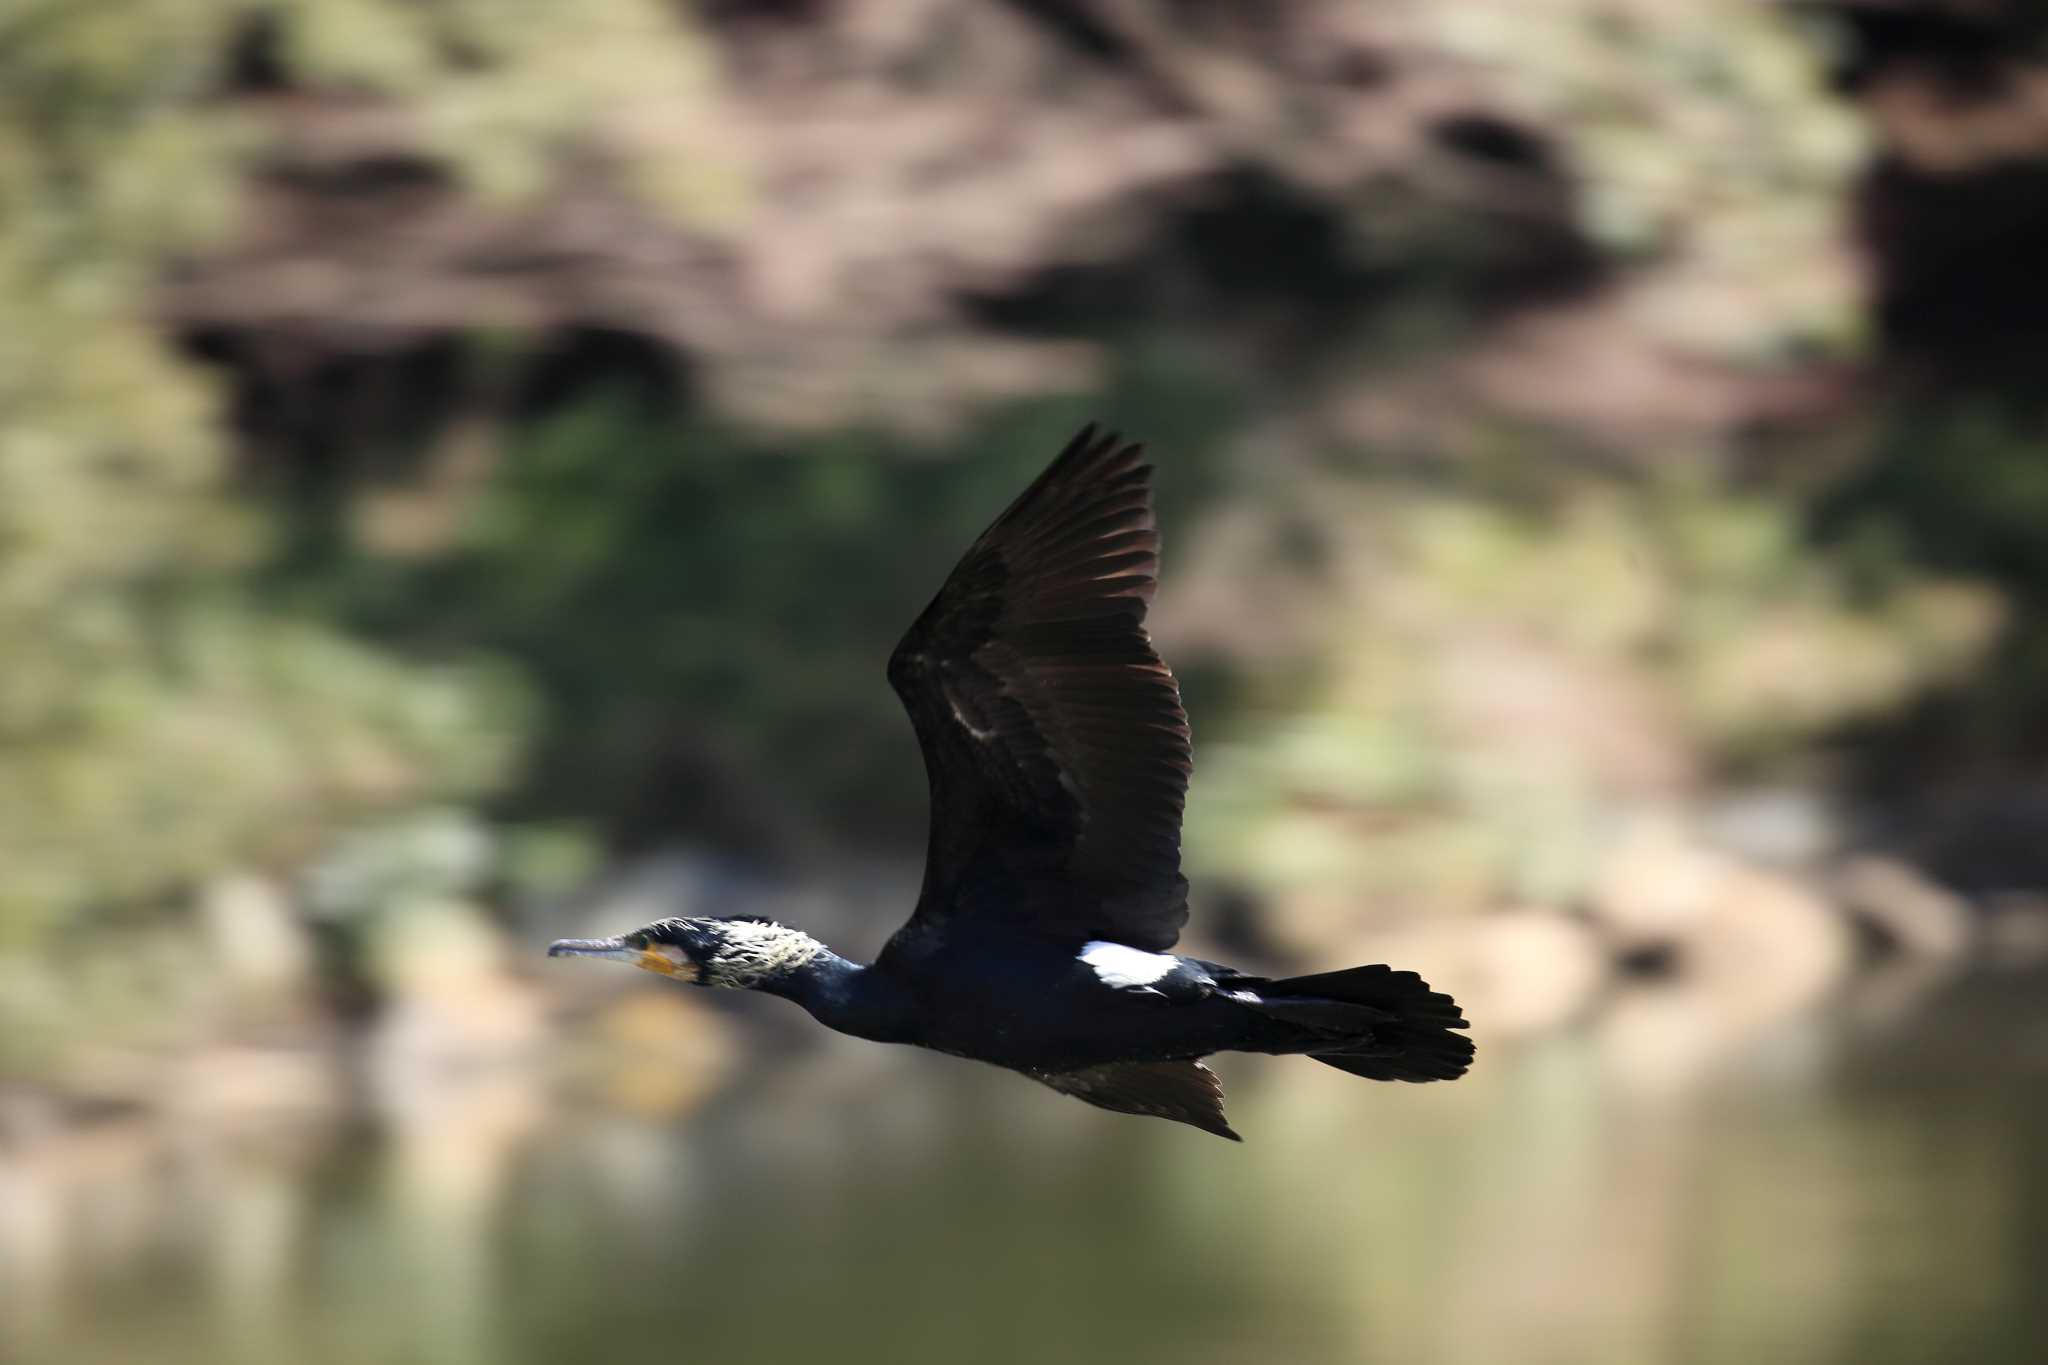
pixel 1125 968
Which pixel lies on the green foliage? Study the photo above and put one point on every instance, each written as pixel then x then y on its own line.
pixel 696 607
pixel 1517 674
pixel 155 722
pixel 616 615
pixel 1960 485
pixel 503 90
pixel 1706 140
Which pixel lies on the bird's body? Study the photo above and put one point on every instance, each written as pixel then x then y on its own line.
pixel 1039 1007
pixel 1058 756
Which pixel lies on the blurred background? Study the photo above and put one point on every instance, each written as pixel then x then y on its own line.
pixel 463 464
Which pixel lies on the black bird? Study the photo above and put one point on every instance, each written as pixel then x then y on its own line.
pixel 1058 758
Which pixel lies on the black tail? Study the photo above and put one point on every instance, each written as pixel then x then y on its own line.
pixel 1373 1022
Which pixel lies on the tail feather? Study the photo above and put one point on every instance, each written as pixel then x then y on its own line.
pixel 1438 1057
pixel 1373 1022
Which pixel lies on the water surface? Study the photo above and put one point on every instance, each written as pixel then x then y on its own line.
pixel 1872 1191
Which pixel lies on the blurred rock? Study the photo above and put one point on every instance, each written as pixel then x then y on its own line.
pixel 435 947
pixel 27 1116
pixel 1558 712
pixel 1752 950
pixel 1656 884
pixel 454 1008
pixel 1905 911
pixel 654 1051
pixel 1890 993
pixel 1663 890
pixel 1780 826
pixel 233 1083
pixel 1768 944
pixel 253 937
pixel 2016 932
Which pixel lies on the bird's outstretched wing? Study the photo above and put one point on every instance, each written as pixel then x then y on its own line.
pixel 1053 735
pixel 1186 1092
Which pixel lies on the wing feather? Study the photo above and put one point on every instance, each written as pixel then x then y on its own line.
pixel 1186 1092
pixel 1054 740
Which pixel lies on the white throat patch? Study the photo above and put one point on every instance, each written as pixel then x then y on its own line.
pixel 750 952
pixel 1122 967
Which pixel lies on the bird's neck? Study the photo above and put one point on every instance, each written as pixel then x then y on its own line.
pixel 845 996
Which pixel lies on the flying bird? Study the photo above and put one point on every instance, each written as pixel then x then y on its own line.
pixel 1058 758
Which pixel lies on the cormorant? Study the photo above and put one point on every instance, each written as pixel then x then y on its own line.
pixel 1058 757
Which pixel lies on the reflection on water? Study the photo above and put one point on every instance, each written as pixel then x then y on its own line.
pixel 1863 1196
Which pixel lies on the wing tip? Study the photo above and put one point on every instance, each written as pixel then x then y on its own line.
pixel 1098 439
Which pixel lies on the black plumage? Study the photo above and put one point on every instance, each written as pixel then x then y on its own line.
pixel 1053 734
pixel 1058 757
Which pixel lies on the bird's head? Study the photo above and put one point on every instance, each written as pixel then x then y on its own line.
pixel 742 953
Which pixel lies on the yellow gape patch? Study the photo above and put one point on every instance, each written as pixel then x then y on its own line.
pixel 665 960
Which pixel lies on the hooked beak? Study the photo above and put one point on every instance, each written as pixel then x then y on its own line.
pixel 659 958
pixel 614 948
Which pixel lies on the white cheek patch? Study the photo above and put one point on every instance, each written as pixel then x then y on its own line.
pixel 1125 968
pixel 751 953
